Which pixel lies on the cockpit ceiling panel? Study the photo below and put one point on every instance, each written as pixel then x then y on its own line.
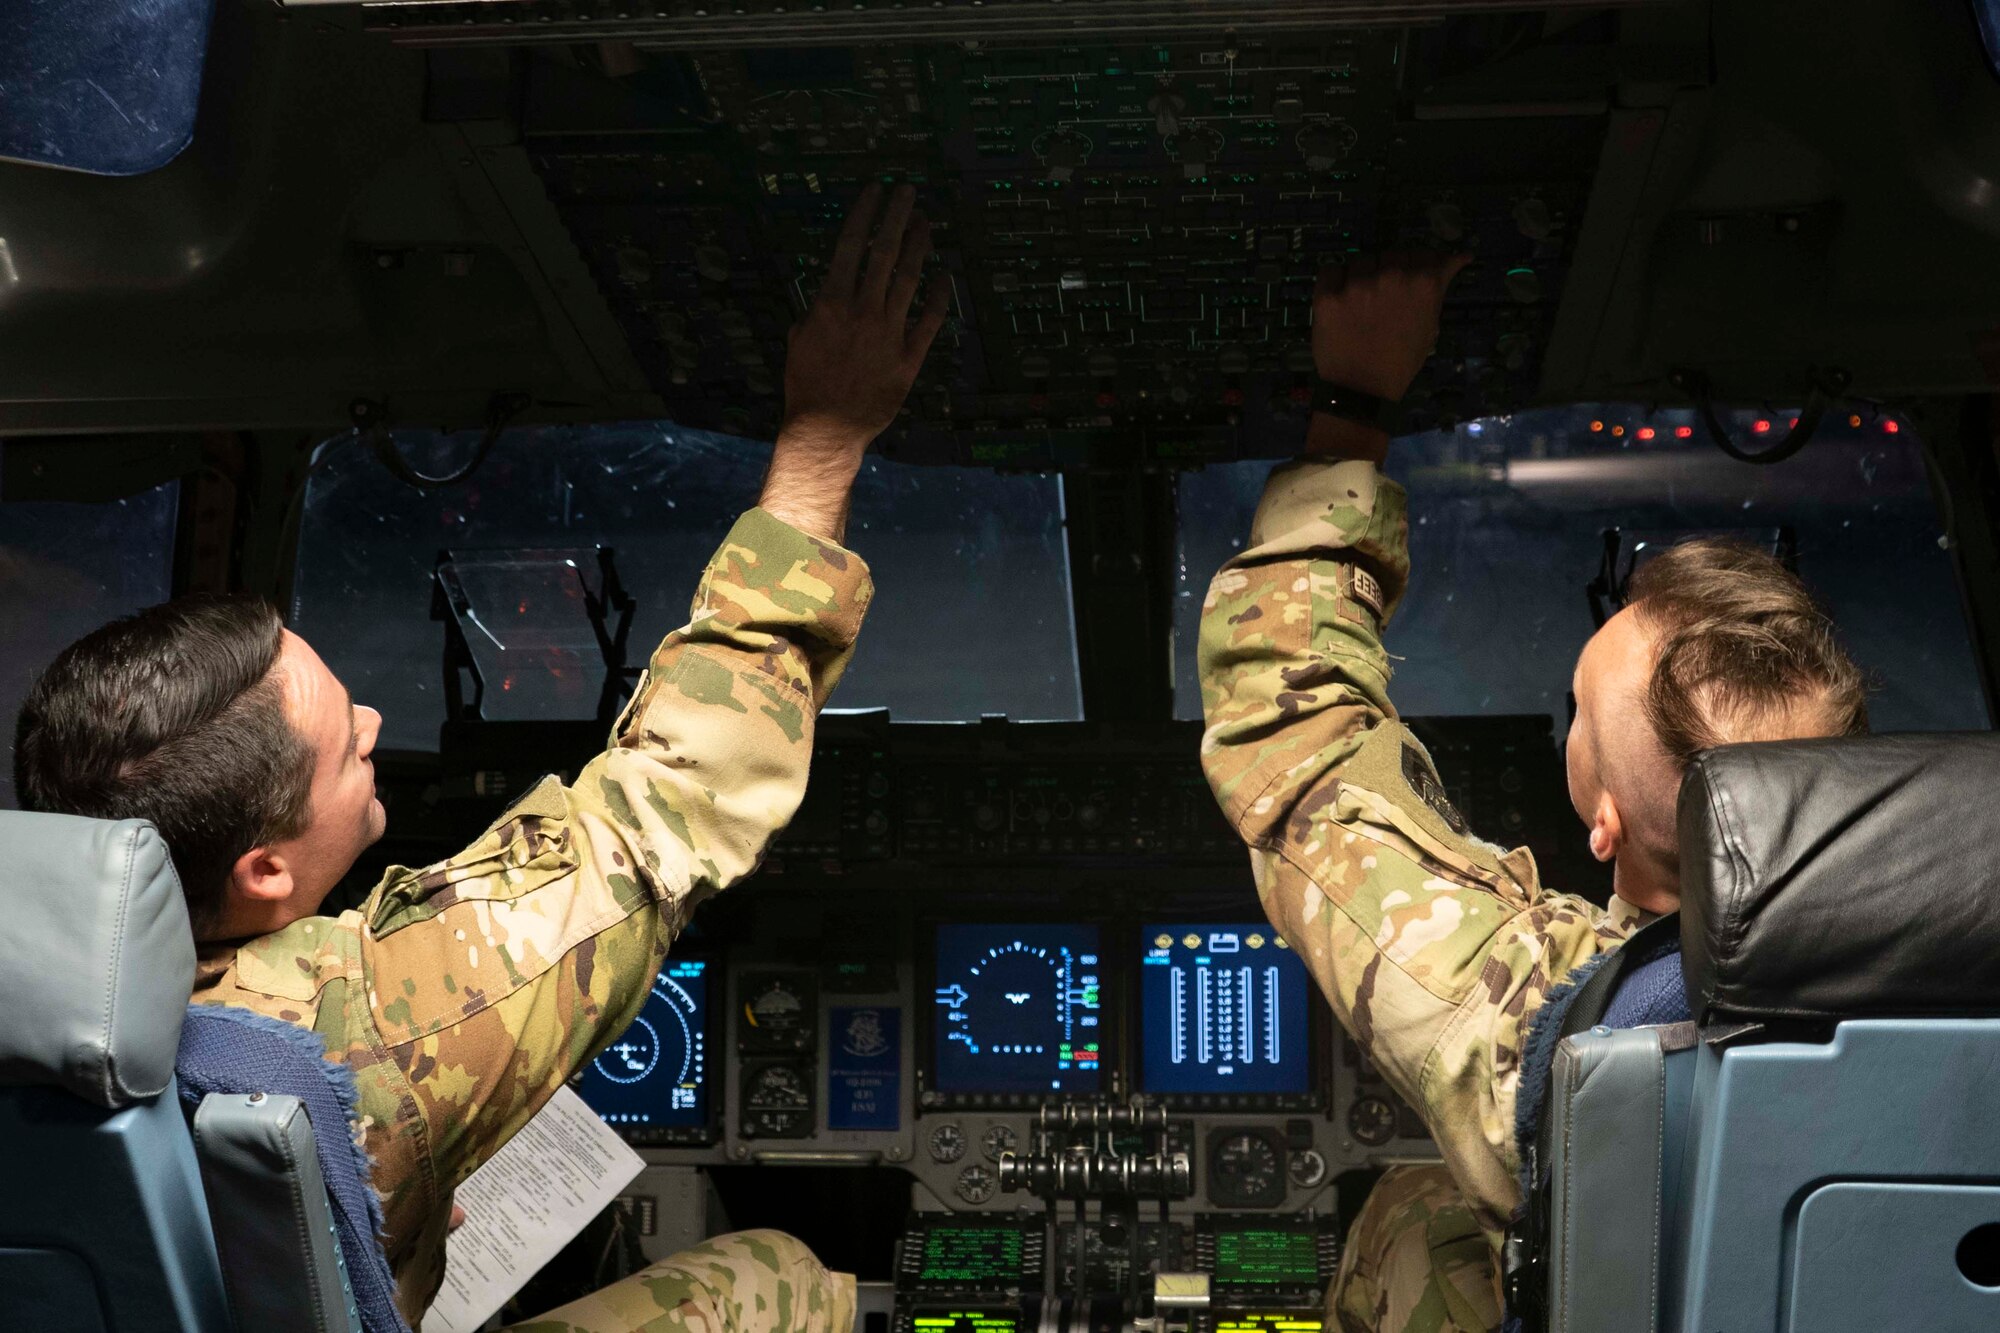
pixel 698 24
pixel 1130 230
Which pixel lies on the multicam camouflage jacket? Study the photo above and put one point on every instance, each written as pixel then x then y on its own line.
pixel 1435 948
pixel 464 994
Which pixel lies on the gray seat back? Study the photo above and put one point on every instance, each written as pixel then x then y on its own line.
pixel 105 1204
pixel 102 1221
pixel 1842 1185
pixel 1821 1157
pixel 281 1259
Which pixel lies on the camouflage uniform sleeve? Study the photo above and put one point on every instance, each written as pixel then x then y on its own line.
pixel 1434 948
pixel 492 977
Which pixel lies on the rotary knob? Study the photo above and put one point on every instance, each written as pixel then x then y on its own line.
pixel 1372 1120
pixel 975 1184
pixel 1447 220
pixel 1533 218
pixel 1325 144
pixel 712 262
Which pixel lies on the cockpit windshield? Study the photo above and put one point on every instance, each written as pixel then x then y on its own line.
pixel 1508 524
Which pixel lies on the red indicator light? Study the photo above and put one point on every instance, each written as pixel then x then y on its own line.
pixel 1684 432
pixel 1647 432
pixel 1596 426
pixel 1617 430
pixel 1855 421
pixel 1891 427
pixel 1761 426
pixel 1795 423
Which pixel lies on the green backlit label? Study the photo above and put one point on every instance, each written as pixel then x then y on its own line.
pixel 964 1321
pixel 1261 1257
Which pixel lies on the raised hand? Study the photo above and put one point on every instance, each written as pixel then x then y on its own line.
pixel 852 359
pixel 1375 321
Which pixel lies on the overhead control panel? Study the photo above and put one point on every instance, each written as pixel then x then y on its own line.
pixel 1130 229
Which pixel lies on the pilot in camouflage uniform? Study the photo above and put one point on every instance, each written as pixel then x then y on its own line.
pixel 1434 948
pixel 464 994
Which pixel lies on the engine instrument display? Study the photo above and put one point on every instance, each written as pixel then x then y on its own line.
pixel 1017 1009
pixel 652 1081
pixel 1225 1011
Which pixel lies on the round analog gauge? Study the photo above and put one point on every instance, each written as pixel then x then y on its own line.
pixel 975 1184
pixel 1372 1120
pixel 1244 1169
pixel 1306 1168
pixel 947 1143
pixel 777 1086
pixel 998 1139
pixel 774 1008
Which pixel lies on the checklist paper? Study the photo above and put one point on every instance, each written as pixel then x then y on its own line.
pixel 528 1201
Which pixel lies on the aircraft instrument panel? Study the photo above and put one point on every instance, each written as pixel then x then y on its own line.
pixel 652 1082
pixel 1224 1010
pixel 1018 1009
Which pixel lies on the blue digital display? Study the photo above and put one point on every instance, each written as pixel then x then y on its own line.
pixel 1224 1010
pixel 655 1074
pixel 1017 1009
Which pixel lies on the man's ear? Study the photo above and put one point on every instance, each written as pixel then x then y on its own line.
pixel 261 875
pixel 1607 829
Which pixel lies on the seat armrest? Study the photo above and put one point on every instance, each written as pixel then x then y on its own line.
pixel 281 1260
pixel 1607 1095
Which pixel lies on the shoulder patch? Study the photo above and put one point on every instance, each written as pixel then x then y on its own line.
pixel 1424 781
pixel 1364 588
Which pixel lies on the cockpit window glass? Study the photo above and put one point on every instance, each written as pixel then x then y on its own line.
pixel 1987 12
pixel 1507 523
pixel 972 584
pixel 65 569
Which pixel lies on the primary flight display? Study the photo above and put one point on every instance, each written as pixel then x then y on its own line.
pixel 1017 1009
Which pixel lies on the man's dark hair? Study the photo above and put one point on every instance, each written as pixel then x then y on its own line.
pixel 172 715
pixel 1745 652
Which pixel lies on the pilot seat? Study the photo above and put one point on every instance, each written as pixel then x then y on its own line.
pixel 116 1214
pixel 1816 1152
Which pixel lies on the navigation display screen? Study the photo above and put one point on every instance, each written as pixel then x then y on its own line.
pixel 1017 1009
pixel 656 1073
pixel 1224 1010
pixel 1266 1257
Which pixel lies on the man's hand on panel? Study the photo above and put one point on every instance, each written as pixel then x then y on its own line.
pixel 852 359
pixel 1375 322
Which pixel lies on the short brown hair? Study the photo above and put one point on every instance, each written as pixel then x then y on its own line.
pixel 1745 652
pixel 173 715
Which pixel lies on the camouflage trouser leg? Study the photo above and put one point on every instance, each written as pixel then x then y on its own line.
pixel 748 1282
pixel 1416 1262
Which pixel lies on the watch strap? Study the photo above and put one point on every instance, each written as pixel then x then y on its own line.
pixel 1367 409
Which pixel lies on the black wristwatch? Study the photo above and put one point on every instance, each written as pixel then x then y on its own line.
pixel 1366 409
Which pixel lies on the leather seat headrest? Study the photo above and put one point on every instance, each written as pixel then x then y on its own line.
pixel 1830 879
pixel 96 956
